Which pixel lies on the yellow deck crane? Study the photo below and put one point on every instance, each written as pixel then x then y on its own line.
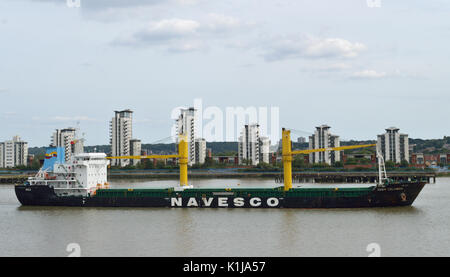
pixel 288 153
pixel 182 159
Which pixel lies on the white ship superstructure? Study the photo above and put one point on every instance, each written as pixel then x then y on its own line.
pixel 81 176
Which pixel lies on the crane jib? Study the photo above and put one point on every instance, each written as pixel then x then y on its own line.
pixel 286 149
pixel 340 148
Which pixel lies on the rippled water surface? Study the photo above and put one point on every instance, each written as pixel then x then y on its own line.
pixel 419 230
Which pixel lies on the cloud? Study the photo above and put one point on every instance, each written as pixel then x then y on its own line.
pixel 168 29
pixel 220 22
pixel 160 32
pixel 186 47
pixel 177 34
pixel 311 48
pixel 368 74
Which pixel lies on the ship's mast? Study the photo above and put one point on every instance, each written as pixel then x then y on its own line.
pixel 182 160
pixel 382 175
pixel 287 153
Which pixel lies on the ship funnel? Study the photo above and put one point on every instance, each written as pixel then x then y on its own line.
pixel 53 155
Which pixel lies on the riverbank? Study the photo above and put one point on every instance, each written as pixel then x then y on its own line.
pixel 13 179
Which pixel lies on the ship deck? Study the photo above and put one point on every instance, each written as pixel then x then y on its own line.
pixel 235 192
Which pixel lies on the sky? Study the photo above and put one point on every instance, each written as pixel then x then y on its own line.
pixel 358 66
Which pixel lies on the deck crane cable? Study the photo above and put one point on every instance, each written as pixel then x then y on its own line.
pixel 300 132
pixel 163 139
pixel 288 153
pixel 182 156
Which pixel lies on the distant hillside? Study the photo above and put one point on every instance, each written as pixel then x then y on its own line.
pixel 222 148
pixel 217 148
pixel 431 146
pixel 40 151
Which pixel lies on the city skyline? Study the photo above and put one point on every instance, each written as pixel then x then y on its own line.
pixel 296 134
pixel 360 75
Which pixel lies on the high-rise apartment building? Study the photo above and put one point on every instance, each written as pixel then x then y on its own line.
pixel 121 132
pixel 264 149
pixel 253 149
pixel 135 150
pixel 66 138
pixel 200 150
pixel 322 138
pixel 13 153
pixel 186 126
pixel 393 145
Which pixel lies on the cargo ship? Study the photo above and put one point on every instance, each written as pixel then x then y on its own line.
pixel 83 182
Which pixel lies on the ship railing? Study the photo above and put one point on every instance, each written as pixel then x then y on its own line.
pixel 57 184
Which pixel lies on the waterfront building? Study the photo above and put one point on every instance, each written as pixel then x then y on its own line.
pixel 393 145
pixel 135 150
pixel 13 153
pixel 423 160
pixel 264 149
pixel 229 160
pixel 77 146
pixel 208 152
pixel 66 138
pixel 186 125
pixel 200 150
pixel 322 138
pixel 301 139
pixel 248 146
pixel 121 132
pixel 252 148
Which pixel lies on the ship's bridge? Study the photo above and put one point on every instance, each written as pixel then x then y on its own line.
pixel 90 156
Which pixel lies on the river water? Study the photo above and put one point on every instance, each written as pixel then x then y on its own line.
pixel 419 230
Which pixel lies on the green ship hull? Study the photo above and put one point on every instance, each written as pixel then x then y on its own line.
pixel 395 194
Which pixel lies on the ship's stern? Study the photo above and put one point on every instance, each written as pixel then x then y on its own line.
pixel 35 195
